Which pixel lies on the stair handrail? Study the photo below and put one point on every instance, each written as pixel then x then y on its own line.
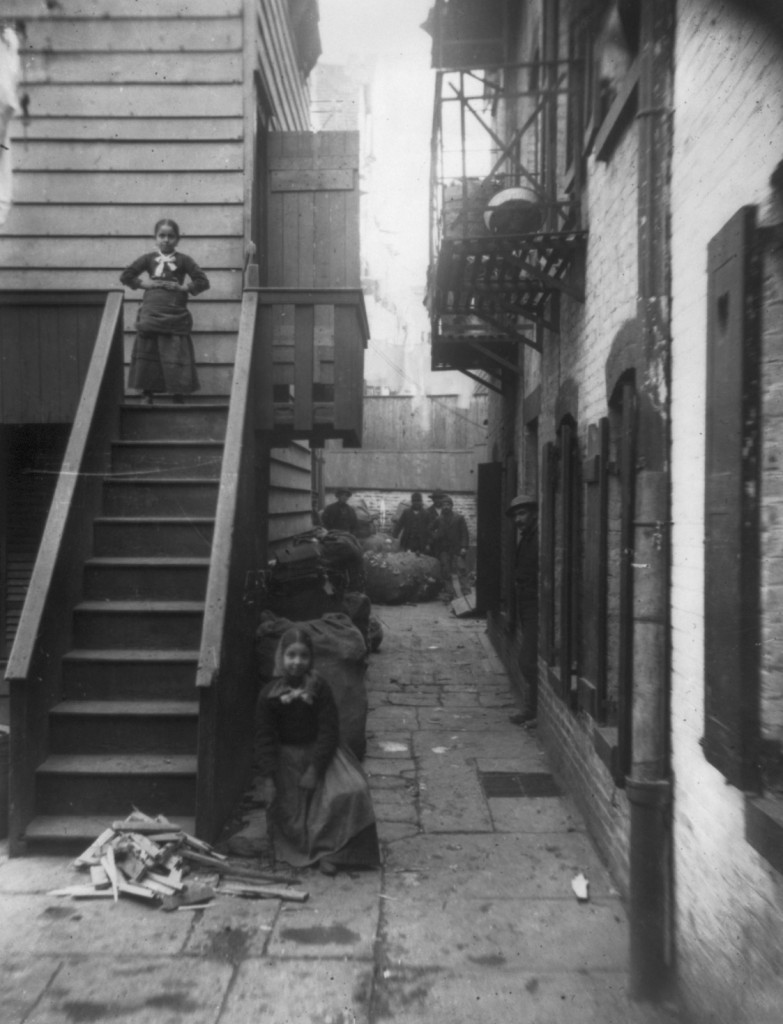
pixel 224 679
pixel 219 580
pixel 43 632
pixel 71 476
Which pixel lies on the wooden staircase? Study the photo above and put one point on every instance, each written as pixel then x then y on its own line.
pixel 125 733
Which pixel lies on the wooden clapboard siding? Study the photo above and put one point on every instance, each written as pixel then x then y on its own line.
pixel 126 221
pixel 123 68
pixel 290 493
pixel 395 471
pixel 135 112
pixel 226 284
pixel 100 155
pixel 313 204
pixel 127 187
pixel 97 10
pixel 277 64
pixel 135 34
pixel 186 129
pixel 140 100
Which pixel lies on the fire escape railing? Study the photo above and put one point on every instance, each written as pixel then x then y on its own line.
pixel 504 226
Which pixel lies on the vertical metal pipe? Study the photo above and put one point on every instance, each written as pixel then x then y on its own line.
pixel 648 782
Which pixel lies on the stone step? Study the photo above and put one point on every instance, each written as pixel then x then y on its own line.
pixel 97 784
pixel 134 727
pixel 160 625
pixel 129 674
pixel 151 536
pixel 183 579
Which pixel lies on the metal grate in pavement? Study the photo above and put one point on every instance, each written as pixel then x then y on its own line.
pixel 518 784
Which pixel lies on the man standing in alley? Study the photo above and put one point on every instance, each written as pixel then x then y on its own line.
pixel 339 515
pixel 412 525
pixel 449 542
pixel 524 511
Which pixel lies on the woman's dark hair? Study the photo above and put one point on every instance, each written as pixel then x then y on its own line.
pixel 171 223
pixel 293 635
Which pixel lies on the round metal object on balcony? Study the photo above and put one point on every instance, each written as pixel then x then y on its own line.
pixel 514 211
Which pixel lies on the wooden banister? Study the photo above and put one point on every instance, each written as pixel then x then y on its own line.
pixel 225 677
pixel 43 634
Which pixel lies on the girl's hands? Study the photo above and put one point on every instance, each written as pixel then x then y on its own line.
pixel 309 779
pixel 268 792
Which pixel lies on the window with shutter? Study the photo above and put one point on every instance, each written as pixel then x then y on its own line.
pixel 731 567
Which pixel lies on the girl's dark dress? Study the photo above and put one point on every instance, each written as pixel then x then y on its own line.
pixel 298 728
pixel 163 357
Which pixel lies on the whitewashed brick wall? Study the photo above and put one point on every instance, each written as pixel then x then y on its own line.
pixel 728 131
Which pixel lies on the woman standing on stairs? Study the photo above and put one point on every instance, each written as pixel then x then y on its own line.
pixel 163 357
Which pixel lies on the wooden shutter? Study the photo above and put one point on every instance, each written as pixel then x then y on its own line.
pixel 546 622
pixel 731 567
pixel 596 582
pixel 489 525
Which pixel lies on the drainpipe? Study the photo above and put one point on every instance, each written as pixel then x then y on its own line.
pixel 648 784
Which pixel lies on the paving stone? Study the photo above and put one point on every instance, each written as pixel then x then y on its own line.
pixel 494 995
pixel 232 929
pixel 497 866
pixel 524 934
pixel 395 805
pixel 38 874
pixel 542 814
pixel 52 925
pixel 339 920
pixel 390 745
pixel 504 742
pixel 332 992
pixel 393 719
pixel 22 981
pixel 450 797
pixel 134 990
pixel 455 718
pixel 385 766
pixel 392 831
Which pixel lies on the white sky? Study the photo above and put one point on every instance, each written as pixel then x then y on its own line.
pixel 388 33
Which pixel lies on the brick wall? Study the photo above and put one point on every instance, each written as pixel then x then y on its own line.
pixel 728 133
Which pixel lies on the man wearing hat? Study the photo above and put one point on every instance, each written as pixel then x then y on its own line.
pixel 523 509
pixel 433 511
pixel 412 526
pixel 339 515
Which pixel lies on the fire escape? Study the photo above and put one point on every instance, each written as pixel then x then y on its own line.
pixel 506 239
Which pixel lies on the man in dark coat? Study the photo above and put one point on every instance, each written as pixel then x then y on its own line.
pixel 449 542
pixel 339 515
pixel 412 526
pixel 524 511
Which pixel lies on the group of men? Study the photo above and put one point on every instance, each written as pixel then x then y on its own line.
pixel 440 531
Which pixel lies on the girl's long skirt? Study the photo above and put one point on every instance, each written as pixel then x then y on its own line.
pixel 335 820
pixel 163 362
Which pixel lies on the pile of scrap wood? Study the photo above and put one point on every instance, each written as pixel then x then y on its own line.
pixel 151 859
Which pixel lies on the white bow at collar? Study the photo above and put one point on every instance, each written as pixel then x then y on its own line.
pixel 165 260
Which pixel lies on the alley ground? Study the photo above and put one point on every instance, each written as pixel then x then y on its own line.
pixel 472 917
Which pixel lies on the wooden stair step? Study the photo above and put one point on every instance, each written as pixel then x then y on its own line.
pixel 113 765
pixel 138 623
pixel 127 708
pixel 205 421
pixel 129 674
pixel 156 782
pixel 173 458
pixel 131 726
pixel 153 535
pixel 160 496
pixel 84 829
pixel 157 577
